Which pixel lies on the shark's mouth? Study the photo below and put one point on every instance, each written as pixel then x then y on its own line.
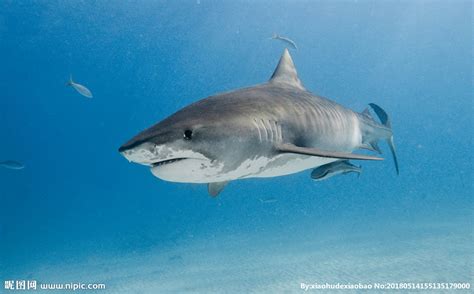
pixel 168 161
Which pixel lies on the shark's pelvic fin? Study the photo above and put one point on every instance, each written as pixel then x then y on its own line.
pixel 285 72
pixel 215 188
pixel 372 146
pixel 290 148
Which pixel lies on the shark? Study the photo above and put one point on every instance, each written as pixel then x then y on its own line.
pixel 272 129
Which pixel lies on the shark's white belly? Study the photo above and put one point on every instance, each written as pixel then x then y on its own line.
pixel 206 171
pixel 191 171
pixel 287 164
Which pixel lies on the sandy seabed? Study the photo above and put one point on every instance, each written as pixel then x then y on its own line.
pixel 273 263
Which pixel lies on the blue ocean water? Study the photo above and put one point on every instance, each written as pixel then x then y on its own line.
pixel 79 212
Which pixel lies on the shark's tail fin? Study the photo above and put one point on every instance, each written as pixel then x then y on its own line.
pixel 385 120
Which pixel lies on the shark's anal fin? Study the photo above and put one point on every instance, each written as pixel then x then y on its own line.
pixel 290 148
pixel 215 188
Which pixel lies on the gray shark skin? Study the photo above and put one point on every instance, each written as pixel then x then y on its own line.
pixel 272 129
pixel 329 170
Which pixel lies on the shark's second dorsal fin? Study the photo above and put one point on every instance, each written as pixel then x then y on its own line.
pixel 285 72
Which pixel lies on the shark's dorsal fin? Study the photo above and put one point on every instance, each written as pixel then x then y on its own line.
pixel 285 72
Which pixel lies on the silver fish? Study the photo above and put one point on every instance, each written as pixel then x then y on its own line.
pixel 11 164
pixel 285 40
pixel 267 200
pixel 80 88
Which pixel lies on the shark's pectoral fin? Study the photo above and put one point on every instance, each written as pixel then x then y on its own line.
pixel 290 148
pixel 215 188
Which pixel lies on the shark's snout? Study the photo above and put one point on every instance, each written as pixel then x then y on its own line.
pixel 170 161
pixel 139 152
pixel 123 148
pixel 130 145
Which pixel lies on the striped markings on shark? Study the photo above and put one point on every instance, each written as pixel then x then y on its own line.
pixel 268 130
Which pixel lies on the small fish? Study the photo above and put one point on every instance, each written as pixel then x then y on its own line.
pixel 11 164
pixel 285 40
pixel 79 88
pixel 268 200
pixel 334 168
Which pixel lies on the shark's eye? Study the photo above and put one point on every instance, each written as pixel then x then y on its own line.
pixel 188 135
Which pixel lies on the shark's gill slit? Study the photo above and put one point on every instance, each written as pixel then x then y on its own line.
pixel 274 130
pixel 281 132
pixel 258 130
pixel 278 132
pixel 270 126
pixel 265 129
